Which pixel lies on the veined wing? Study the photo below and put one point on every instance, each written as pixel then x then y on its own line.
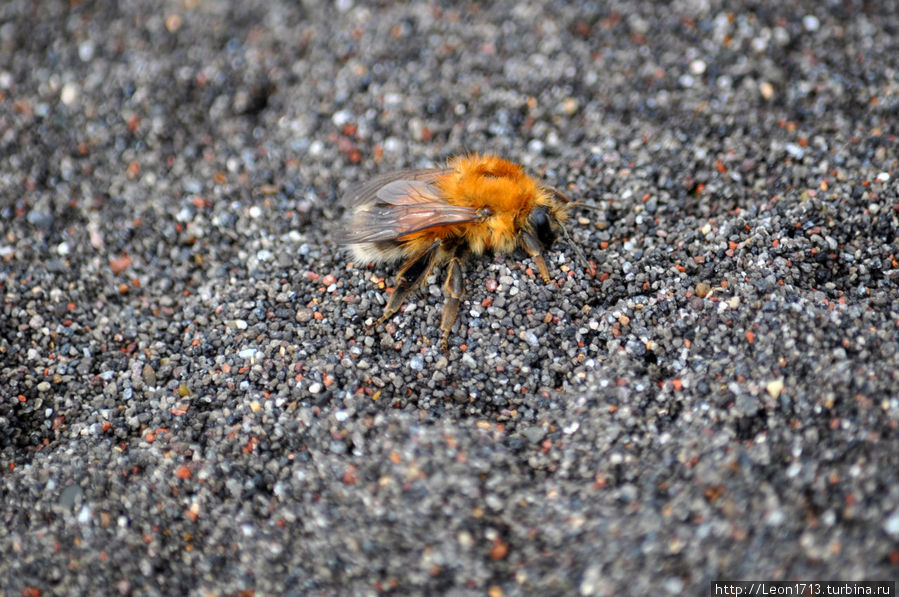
pixel 367 191
pixel 402 207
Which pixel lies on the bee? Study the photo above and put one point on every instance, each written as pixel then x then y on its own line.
pixel 442 216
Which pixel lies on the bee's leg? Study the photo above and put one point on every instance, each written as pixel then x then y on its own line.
pixel 531 246
pixel 453 289
pixel 410 276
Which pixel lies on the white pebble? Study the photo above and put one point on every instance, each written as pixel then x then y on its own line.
pixel 811 23
pixel 184 215
pixel 775 517
pixel 69 94
pixel 86 51
pixel 891 525
pixel 795 150
pixel 341 117
pixel 84 515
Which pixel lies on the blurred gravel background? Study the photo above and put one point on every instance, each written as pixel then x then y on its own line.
pixel 191 404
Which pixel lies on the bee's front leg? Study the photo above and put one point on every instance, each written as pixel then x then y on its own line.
pixel 453 290
pixel 531 246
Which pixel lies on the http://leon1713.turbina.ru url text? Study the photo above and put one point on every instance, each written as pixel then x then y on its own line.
pixel 744 588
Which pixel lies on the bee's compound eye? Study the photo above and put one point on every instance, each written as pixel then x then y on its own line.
pixel 541 225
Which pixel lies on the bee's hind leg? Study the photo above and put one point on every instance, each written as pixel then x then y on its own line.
pixel 453 290
pixel 410 276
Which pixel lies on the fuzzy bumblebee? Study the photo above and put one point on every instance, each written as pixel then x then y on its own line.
pixel 441 216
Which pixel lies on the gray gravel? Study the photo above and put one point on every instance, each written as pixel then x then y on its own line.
pixel 192 404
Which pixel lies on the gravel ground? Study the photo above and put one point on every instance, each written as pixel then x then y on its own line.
pixel 192 404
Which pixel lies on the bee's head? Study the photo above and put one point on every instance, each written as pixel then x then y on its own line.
pixel 547 220
pixel 545 225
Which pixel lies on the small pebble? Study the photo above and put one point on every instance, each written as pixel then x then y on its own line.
pixel 891 525
pixel 69 94
pixel 774 388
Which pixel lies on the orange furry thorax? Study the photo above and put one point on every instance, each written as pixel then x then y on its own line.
pixel 487 182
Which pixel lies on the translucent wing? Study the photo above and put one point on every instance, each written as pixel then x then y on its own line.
pixel 398 207
pixel 367 192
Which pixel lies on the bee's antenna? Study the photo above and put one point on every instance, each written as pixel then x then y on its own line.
pixel 570 203
pixel 574 246
pixel 582 205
